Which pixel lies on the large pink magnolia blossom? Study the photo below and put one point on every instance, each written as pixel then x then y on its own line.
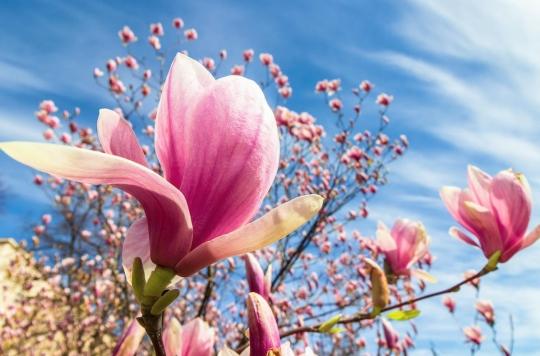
pixel 194 338
pixel 496 210
pixel 404 245
pixel 217 142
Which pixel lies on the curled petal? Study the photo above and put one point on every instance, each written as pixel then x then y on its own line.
pixel 187 78
pixel 274 225
pixel 485 226
pixel 458 234
pixel 117 137
pixel 169 223
pixel 511 201
pixel 479 182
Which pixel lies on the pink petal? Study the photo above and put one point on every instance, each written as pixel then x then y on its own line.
pixel 172 337
pixel 137 244
pixel 521 244
pixel 531 237
pixel 263 329
pixel 232 149
pixel 185 82
pixel 458 234
pixel 255 276
pixel 129 342
pixel 117 137
pixel 511 201
pixel 198 338
pixel 264 231
pixel 165 207
pixel 384 239
pixel 479 183
pixel 453 198
pixel 485 227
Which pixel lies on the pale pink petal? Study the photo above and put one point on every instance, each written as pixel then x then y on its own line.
pixel 232 154
pixel 137 244
pixel 129 342
pixel 520 244
pixel 384 239
pixel 423 275
pixel 485 226
pixel 197 338
pixel 186 80
pixel 264 231
pixel 531 237
pixel 165 207
pixel 172 337
pixel 479 183
pixel 458 234
pixel 117 137
pixel 454 199
pixel 511 201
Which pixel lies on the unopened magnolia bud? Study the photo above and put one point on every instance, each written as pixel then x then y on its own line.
pixel 379 286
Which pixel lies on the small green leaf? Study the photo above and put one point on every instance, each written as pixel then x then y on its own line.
pixel 329 324
pixel 164 301
pixel 402 315
pixel 138 279
pixel 158 281
pixel 336 330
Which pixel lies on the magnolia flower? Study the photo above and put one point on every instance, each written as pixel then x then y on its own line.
pixel 391 337
pixel 403 246
pixel 496 210
pixel 217 142
pixel 130 340
pixel 473 334
pixel 194 338
pixel 485 308
pixel 264 339
pixel 258 282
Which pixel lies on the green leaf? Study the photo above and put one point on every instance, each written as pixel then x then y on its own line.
pixel 164 301
pixel 158 281
pixel 329 324
pixel 138 279
pixel 403 315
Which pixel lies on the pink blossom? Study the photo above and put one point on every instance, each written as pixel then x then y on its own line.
pixel 147 74
pixel 473 334
pixel 266 58
pixel 46 219
pixel 237 70
pixel 157 29
pixel 194 338
pixel 48 106
pixel 154 42
pixel 366 86
pixel 131 62
pixel 335 105
pixel 38 180
pixel 485 308
pixel 384 99
pixel 209 63
pixel 111 65
pixel 126 35
pixel 321 86
pixel 248 55
pixel 391 337
pixel 178 23
pixel 191 34
pixel 65 138
pixel 191 219
pixel 495 210
pixel 223 54
pixel 285 92
pixel 48 134
pixel 263 329
pixel 449 303
pixel 404 245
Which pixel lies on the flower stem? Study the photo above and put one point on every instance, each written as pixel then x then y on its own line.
pixel 153 324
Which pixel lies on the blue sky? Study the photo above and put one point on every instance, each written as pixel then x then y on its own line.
pixel 465 77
